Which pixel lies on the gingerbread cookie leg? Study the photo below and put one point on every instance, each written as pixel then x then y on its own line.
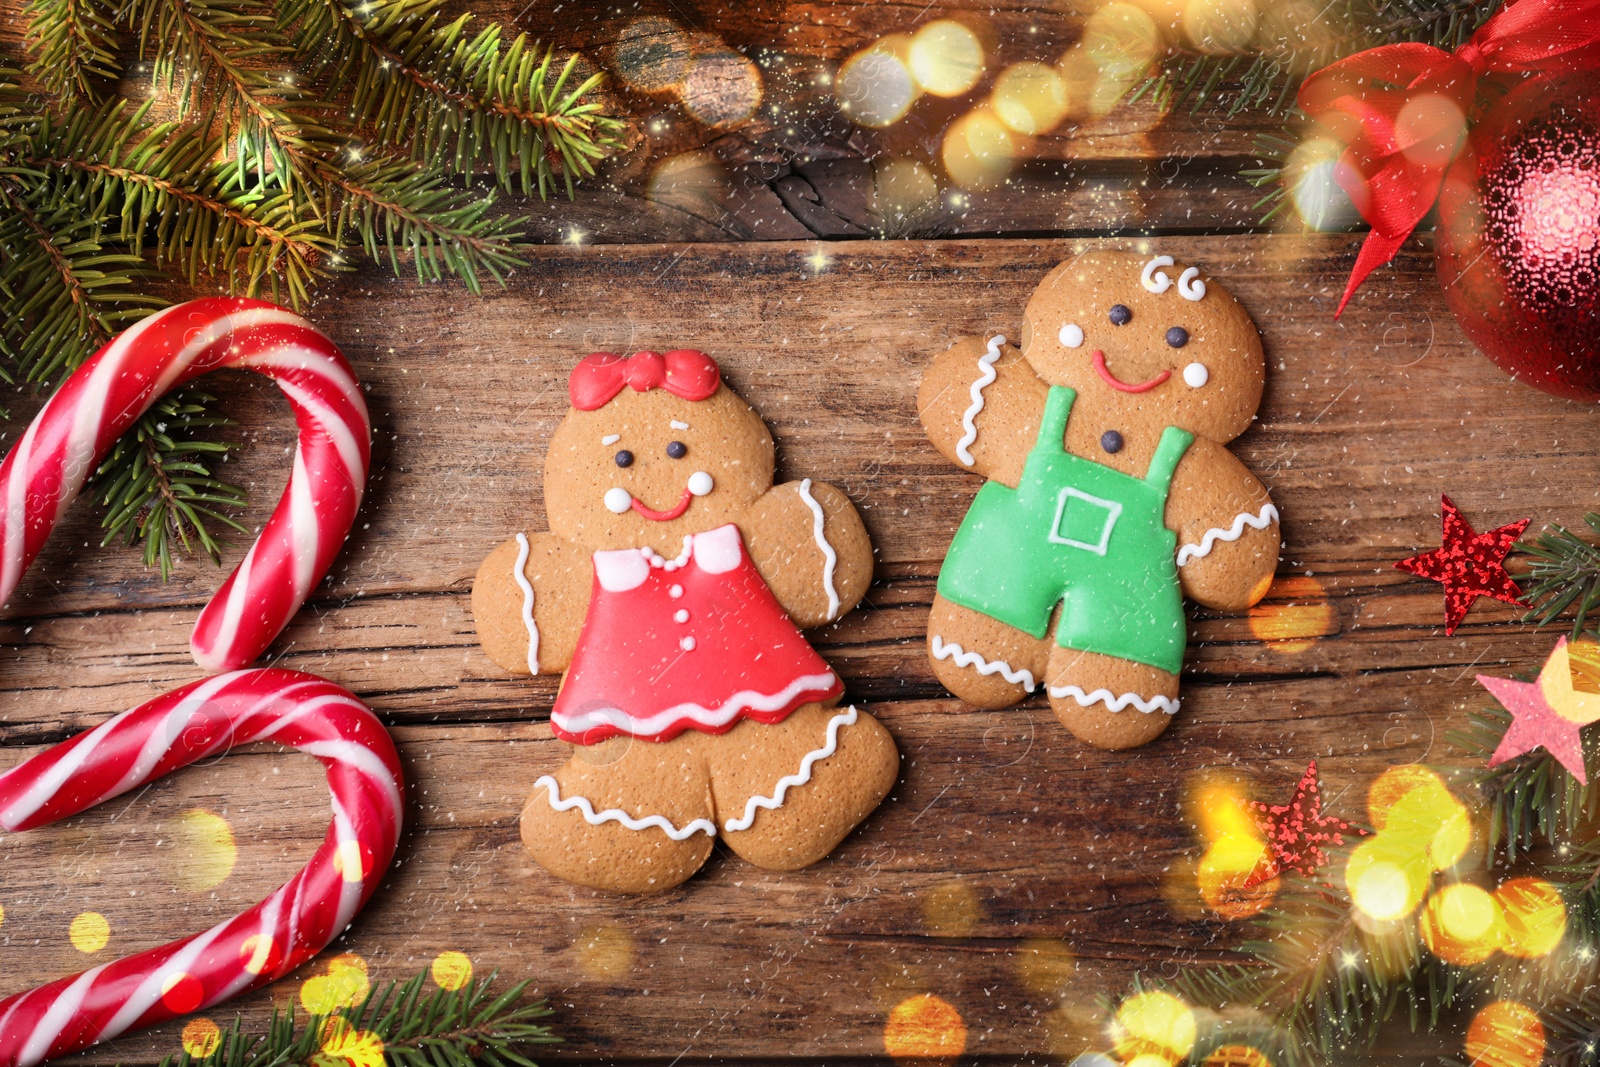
pixel 623 815
pixel 787 793
pixel 1110 703
pixel 982 660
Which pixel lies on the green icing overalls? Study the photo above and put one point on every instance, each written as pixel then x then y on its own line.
pixel 1080 533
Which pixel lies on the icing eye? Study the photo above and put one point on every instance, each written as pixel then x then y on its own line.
pixel 1177 336
pixel 624 458
pixel 677 449
pixel 1120 315
pixel 1071 335
pixel 1195 375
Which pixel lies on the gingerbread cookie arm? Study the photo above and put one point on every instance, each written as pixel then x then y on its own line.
pixel 980 403
pixel 809 544
pixel 529 599
pixel 1227 529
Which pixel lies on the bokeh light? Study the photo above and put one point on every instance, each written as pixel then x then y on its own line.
pixel 1429 129
pixel 605 951
pixel 1235 876
pixel 951 909
pixel 353 860
pixel 1534 917
pixel 260 954
pixel 1386 879
pixel 1314 191
pixel 925 1027
pixel 978 150
pixel 1461 924
pixel 651 55
pixel 1155 1024
pixel 1220 27
pixel 1414 805
pixel 204 850
pixel 90 932
pixel 1294 614
pixel 722 88
pixel 344 985
pixel 1045 966
pixel 201 1038
pixel 1029 98
pixel 1505 1034
pixel 1122 41
pixel 2 914
pixel 182 993
pixel 905 193
pixel 946 58
pixel 452 970
pixel 357 1048
pixel 692 182
pixel 875 86
pixel 1236 1056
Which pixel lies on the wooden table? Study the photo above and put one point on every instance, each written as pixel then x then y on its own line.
pixel 1014 872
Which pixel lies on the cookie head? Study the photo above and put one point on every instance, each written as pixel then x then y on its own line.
pixel 655 447
pixel 1141 336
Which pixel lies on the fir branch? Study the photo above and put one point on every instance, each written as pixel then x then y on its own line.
pixel 1565 574
pixel 424 86
pixel 74 44
pixel 400 1024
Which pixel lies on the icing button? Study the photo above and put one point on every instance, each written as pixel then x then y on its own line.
pixel 687 644
pixel 1111 441
pixel 1120 315
pixel 1177 336
pixel 675 592
pixel 680 616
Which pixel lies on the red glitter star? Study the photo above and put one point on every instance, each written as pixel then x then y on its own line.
pixel 1468 564
pixel 1296 831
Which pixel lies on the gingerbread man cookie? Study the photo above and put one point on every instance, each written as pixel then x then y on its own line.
pixel 1111 494
pixel 671 589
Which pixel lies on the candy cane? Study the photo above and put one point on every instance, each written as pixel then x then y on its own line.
pixel 96 405
pixel 38 480
pixel 202 719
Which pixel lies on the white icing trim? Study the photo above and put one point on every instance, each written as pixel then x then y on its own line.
pixel 718 551
pixel 986 376
pixel 711 718
pixel 830 557
pixel 1267 516
pixel 1190 287
pixel 657 560
pixel 620 569
pixel 943 649
pixel 593 818
pixel 1156 281
pixel 801 777
pixel 1115 703
pixel 527 603
pixel 676 425
pixel 611 438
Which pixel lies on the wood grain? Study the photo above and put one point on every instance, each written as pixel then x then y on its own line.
pixel 1005 838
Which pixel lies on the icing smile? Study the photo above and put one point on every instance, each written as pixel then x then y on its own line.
pixel 1099 361
pixel 619 501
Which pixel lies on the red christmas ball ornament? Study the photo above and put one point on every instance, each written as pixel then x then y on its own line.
pixel 1518 243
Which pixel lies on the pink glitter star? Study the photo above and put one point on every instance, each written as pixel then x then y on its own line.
pixel 1534 724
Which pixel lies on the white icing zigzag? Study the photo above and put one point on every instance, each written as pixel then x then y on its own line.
pixel 986 376
pixel 756 803
pixel 1267 517
pixel 527 603
pixel 830 557
pixel 698 826
pixel 1115 703
pixel 963 658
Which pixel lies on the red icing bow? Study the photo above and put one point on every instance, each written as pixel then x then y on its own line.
pixel 682 372
pixel 1402 110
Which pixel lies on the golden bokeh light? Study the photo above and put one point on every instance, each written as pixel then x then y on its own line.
pixel 201 1037
pixel 1505 1034
pixel 1429 129
pixel 1414 810
pixel 904 191
pixel 722 88
pixel 1568 679
pixel 90 932
pixel 605 951
pixel 344 985
pixel 357 1048
pixel 1236 1056
pixel 946 58
pixel 951 909
pixel 1534 917
pixel 978 150
pixel 182 993
pixel 2 914
pixel 204 851
pixel 1461 924
pixel 260 953
pixel 1045 966
pixel 1234 875
pixel 692 182
pixel 1313 189
pixel 1295 612
pixel 452 970
pixel 352 860
pixel 1154 1023
pixel 1030 98
pixel 875 86
pixel 925 1027
pixel 651 55
pixel 1122 41
pixel 1386 879
pixel 1220 27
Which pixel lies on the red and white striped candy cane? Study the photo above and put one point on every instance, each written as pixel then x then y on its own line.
pixel 202 719
pixel 96 405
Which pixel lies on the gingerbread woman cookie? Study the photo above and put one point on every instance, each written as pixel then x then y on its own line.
pixel 1111 494
pixel 671 589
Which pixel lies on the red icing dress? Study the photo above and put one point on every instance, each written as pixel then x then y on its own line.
pixel 698 642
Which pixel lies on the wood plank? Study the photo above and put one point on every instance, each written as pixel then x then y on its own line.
pixel 1365 422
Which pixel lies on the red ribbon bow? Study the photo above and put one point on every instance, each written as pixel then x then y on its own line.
pixel 682 372
pixel 1402 109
